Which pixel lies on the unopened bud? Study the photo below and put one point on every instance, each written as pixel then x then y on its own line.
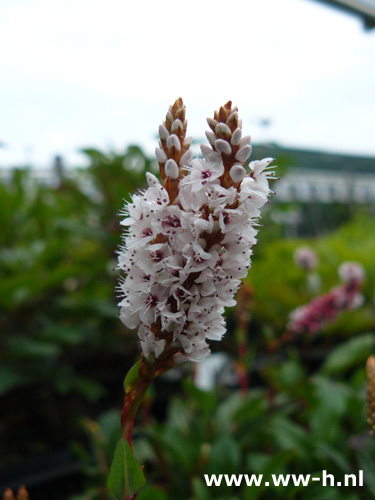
pixel 237 173
pixel 177 125
pixel 163 132
pixel 232 121
pixel 171 169
pixel 160 155
pixel 223 131
pixel 223 114
pixel 212 123
pixel 211 138
pixel 173 141
pixel 223 147
pixel 236 137
pixel 169 119
pixel 243 154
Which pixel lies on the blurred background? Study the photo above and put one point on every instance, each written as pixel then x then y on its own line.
pixel 84 86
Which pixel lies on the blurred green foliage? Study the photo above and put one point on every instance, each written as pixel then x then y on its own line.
pixel 58 320
pixel 57 303
pixel 296 423
pixel 280 286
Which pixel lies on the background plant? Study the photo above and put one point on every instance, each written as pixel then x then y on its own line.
pixel 63 350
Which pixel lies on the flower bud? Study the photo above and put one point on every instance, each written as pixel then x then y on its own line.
pixel 177 125
pixel 243 154
pixel 223 146
pixel 169 119
pixel 160 155
pixel 232 121
pixel 237 173
pixel 173 141
pixel 236 137
pixel 163 132
pixel 211 138
pixel 171 169
pixel 223 131
pixel 212 123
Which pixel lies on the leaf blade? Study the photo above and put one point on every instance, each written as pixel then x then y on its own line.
pixel 126 475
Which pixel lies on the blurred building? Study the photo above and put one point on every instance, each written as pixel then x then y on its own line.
pixel 311 176
pixel 305 176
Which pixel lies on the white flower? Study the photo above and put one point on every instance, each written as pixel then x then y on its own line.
pixel 150 346
pixel 189 240
pixel 202 173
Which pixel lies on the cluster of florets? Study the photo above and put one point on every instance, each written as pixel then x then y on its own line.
pixel 190 238
pixel 305 258
pixel 316 314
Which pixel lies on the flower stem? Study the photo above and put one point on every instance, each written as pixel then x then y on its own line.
pixel 134 394
pixel 136 388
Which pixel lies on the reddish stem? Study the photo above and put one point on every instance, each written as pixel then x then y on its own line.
pixel 133 398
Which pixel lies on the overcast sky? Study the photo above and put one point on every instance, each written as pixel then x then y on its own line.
pixel 93 73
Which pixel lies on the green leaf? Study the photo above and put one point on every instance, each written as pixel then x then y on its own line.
pixel 350 354
pixel 126 476
pixel 132 376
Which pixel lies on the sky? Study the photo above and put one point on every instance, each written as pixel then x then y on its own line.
pixel 77 74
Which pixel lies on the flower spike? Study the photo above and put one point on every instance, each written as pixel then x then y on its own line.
pixel 189 239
